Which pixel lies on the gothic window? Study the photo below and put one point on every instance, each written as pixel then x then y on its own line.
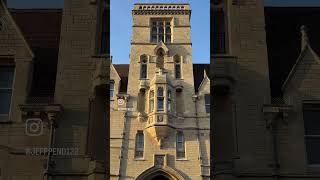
pixel 169 101
pixel 161 31
pixel 160 58
pixel 139 145
pixel 160 99
pixel 311 114
pixel 144 67
pixel 151 101
pixel 111 89
pixel 219 28
pixel 6 83
pixel 180 145
pixel 207 102
pixel 177 66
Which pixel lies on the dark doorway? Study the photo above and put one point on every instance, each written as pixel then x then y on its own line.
pixel 160 177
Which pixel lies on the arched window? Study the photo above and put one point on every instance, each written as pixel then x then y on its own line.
pixel 144 66
pixel 151 101
pixel 160 58
pixel 160 99
pixel 177 66
pixel 180 145
pixel 139 145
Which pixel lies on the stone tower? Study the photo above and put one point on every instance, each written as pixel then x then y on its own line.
pixel 242 142
pixel 158 129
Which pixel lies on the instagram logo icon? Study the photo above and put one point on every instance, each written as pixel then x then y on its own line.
pixel 34 127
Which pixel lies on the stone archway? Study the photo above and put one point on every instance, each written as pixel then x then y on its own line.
pixel 160 173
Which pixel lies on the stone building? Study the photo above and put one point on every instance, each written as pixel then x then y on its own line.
pixel 160 103
pixel 262 130
pixel 54 69
pixel 54 85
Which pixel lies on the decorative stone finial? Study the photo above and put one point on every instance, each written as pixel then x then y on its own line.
pixel 304 36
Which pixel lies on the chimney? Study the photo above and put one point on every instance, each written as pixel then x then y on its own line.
pixel 304 36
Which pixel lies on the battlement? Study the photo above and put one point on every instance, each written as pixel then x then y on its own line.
pixel 162 6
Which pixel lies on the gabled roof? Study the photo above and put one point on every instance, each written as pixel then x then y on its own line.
pixel 198 74
pixel 123 71
pixel 18 31
pixel 283 40
pixel 300 58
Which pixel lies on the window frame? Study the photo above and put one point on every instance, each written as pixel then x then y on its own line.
pixel 6 117
pixel 207 104
pixel 314 107
pixel 139 151
pixel 113 90
pixel 160 23
pixel 181 150
pixel 160 97
pixel 143 64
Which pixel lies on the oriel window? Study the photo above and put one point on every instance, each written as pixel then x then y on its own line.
pixel 160 99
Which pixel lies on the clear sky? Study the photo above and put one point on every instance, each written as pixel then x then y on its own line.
pixel 121 23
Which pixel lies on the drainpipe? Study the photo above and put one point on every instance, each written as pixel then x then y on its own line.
pixel 195 99
pixel 51 118
pixel 275 170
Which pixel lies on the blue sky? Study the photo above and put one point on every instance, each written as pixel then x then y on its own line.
pixel 121 23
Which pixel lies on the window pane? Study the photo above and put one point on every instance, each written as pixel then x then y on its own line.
pixel 161 38
pixel 6 77
pixel 143 71
pixel 207 103
pixel 161 30
pixel 311 122
pixel 154 38
pixel 178 71
pixel 168 38
pixel 313 149
pixel 160 104
pixel 5 96
pixel 160 92
pixel 111 89
pixel 168 30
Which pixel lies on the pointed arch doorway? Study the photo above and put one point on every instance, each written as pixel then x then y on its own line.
pixel 160 173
